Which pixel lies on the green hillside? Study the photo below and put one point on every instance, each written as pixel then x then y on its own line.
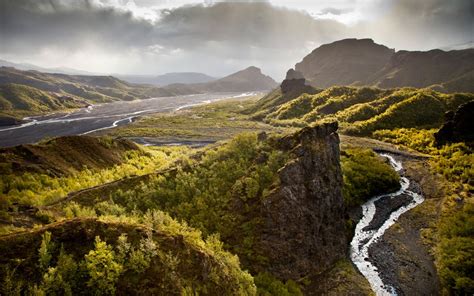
pixel 112 256
pixel 360 111
pixel 25 93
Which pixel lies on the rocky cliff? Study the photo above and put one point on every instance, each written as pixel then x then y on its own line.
pixel 303 229
pixel 344 62
pixel 458 126
pixel 363 62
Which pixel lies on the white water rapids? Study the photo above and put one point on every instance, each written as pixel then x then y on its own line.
pixel 363 239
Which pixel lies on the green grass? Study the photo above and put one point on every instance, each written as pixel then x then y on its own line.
pixel 212 122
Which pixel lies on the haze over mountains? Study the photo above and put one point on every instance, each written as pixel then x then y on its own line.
pixel 249 79
pixel 363 62
pixel 168 78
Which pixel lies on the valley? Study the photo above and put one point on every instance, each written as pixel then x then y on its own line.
pixel 321 185
pixel 96 118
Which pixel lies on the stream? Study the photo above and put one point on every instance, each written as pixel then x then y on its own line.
pixel 366 234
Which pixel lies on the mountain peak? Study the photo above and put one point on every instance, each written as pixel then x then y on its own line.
pixel 252 69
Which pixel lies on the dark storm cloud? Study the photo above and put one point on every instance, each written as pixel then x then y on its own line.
pixel 29 25
pixel 71 24
pixel 225 36
pixel 240 24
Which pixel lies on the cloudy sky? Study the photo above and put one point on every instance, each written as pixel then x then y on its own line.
pixel 216 37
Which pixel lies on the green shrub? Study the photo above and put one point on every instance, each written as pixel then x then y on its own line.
pixel 365 175
pixel 103 268
pixel 267 285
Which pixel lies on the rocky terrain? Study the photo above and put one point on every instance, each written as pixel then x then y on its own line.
pixel 303 230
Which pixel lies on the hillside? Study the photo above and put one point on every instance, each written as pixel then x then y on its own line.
pixel 155 254
pixel 32 92
pixel 65 155
pixel 238 189
pixel 249 79
pixel 362 62
pixel 362 110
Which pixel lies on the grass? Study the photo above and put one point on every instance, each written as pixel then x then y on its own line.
pixel 211 122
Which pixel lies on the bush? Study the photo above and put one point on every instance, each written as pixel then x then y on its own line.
pixel 103 268
pixel 267 285
pixel 365 175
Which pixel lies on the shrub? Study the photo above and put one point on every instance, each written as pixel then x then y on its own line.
pixel 103 268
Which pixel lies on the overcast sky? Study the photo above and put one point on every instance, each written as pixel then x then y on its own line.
pixel 216 37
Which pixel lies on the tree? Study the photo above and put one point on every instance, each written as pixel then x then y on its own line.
pixel 103 268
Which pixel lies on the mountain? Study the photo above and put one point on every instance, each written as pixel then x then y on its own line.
pixel 362 62
pixel 344 62
pixel 61 70
pixel 168 78
pixel 249 79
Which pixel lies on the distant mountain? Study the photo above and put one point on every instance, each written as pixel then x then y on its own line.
pixel 24 93
pixel 61 70
pixel 363 62
pixel 168 78
pixel 249 79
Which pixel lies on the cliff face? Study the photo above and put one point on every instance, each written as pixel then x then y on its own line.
pixel 303 229
pixel 423 69
pixel 363 62
pixel 344 62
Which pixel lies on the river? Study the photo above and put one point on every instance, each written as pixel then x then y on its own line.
pixel 366 234
pixel 101 117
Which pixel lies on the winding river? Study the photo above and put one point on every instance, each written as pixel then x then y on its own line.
pixel 365 236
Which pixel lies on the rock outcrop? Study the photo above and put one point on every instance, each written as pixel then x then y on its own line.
pixel 458 127
pixel 303 229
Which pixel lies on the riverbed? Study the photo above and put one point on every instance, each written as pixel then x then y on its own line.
pixel 379 214
pixel 101 117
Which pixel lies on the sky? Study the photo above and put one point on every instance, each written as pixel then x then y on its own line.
pixel 152 37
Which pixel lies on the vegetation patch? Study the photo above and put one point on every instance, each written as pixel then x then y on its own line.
pixel 148 254
pixel 366 175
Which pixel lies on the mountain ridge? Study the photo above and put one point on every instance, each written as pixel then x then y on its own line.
pixel 362 62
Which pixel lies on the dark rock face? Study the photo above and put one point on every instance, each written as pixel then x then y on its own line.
pixel 295 84
pixel 344 62
pixel 363 62
pixel 303 227
pixel 459 126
